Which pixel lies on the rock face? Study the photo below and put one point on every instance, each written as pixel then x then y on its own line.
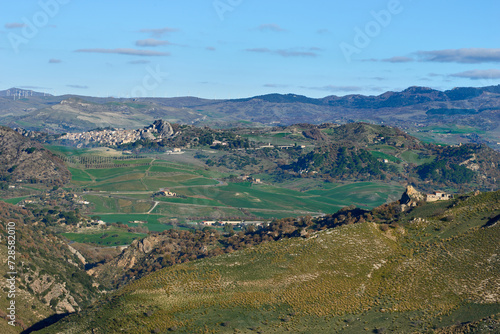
pixel 136 252
pixel 163 128
pixel 410 198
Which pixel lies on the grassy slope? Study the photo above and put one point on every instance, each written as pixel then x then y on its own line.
pixel 111 237
pixel 426 273
pixel 29 310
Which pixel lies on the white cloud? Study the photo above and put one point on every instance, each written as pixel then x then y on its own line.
pixel 151 42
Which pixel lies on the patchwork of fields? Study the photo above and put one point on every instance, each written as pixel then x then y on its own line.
pixel 125 193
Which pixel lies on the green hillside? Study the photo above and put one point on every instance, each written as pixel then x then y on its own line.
pixel 425 270
pixel 50 278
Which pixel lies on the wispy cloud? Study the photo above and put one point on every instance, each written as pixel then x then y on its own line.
pixel 478 74
pixel 139 62
pixel 158 32
pixel 55 61
pixel 465 56
pixel 77 86
pixel 285 52
pixel 151 42
pixel 398 60
pixel 125 51
pixel 270 27
pixel 210 48
pixel 14 25
pixel 322 31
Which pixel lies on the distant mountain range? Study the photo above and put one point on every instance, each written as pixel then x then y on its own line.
pixel 413 107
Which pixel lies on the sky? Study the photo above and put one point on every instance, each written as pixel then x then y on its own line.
pixel 222 49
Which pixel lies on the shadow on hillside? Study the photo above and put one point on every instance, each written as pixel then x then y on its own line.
pixel 492 221
pixel 45 323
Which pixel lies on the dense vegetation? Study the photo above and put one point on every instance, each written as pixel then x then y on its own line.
pixel 339 163
pixel 440 172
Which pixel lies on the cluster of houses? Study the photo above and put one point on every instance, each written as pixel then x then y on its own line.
pixel 158 130
pixel 230 222
pixel 109 137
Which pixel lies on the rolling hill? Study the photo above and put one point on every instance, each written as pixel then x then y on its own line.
pixel 433 268
pixel 26 161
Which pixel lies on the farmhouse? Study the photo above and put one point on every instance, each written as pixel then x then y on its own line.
pixel 209 222
pixel 438 196
pixel 167 193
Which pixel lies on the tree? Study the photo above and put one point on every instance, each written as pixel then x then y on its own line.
pixel 228 228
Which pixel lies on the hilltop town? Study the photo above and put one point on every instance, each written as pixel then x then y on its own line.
pixel 155 132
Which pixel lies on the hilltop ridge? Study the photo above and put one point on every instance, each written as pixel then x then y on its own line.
pixel 474 108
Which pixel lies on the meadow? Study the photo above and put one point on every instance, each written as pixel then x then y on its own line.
pixel 109 237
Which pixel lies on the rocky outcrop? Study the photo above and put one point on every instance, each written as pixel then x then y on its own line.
pixel 410 198
pixel 51 292
pixel 135 253
pixel 78 255
pixel 163 128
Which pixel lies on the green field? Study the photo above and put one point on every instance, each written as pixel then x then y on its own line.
pixel 153 223
pixel 13 201
pixel 189 200
pixel 66 150
pixel 79 175
pixel 412 157
pixel 382 155
pixel 109 237
pixel 453 129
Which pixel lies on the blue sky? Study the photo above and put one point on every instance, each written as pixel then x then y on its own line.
pixel 242 48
